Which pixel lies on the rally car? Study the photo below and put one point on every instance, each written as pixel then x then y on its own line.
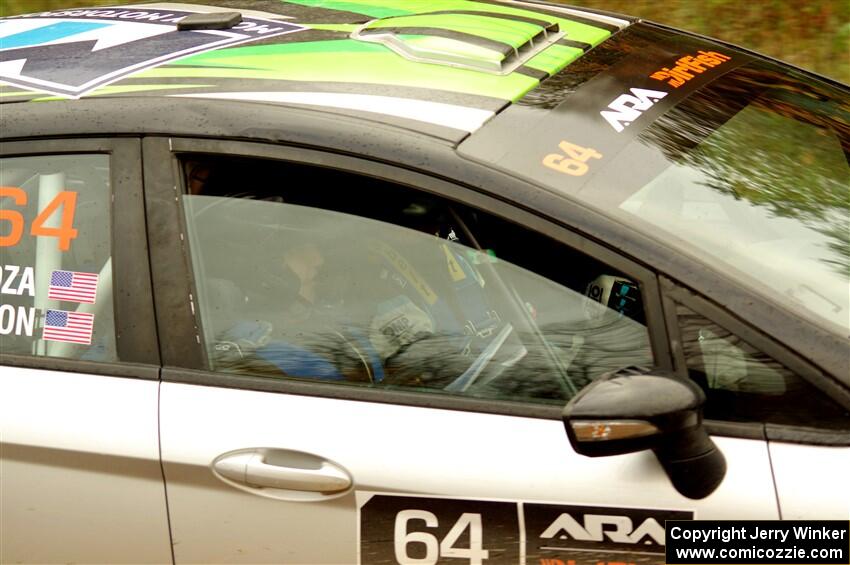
pixel 385 281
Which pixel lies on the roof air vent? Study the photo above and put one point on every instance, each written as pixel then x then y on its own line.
pixel 484 41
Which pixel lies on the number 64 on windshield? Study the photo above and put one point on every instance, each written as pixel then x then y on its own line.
pixel 573 161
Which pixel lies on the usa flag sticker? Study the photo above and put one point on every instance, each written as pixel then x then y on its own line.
pixel 68 327
pixel 72 286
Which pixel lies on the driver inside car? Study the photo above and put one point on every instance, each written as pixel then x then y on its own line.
pixel 345 317
pixel 324 295
pixel 313 310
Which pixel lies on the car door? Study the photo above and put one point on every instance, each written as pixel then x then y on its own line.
pixel 364 364
pixel 79 457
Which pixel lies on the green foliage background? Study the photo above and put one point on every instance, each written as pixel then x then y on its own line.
pixel 813 34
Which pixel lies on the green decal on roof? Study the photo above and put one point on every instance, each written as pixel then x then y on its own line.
pixel 131 88
pixel 467 55
pixel 346 28
pixel 371 9
pixel 511 32
pixel 590 32
pixel 554 58
pixel 493 37
pixel 343 60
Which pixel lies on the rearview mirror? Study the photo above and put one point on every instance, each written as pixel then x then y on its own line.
pixel 635 409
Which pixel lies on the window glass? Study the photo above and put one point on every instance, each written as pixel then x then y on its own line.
pixel 313 273
pixel 766 193
pixel 750 172
pixel 745 385
pixel 56 279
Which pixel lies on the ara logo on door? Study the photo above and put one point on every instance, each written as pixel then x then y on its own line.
pixel 72 52
pixel 626 108
pixel 407 529
pixel 554 530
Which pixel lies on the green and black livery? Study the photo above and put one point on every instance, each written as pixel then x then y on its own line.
pixel 473 54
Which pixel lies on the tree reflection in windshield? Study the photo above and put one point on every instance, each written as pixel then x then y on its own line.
pixel 773 154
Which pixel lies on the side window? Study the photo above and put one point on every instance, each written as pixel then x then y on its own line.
pixel 55 258
pixel 743 384
pixel 313 273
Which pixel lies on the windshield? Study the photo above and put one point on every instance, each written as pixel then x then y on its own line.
pixel 737 161
pixel 750 174
pixel 755 177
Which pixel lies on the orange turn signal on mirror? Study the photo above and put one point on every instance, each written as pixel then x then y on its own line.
pixel 590 430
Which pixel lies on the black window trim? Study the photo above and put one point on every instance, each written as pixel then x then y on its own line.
pixel 182 348
pixel 135 330
pixel 673 293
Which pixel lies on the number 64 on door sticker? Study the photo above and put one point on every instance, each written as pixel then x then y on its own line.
pixel 426 531
pixel 434 548
pixel 574 159
pixel 419 530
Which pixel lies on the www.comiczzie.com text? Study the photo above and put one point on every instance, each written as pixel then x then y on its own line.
pixel 756 542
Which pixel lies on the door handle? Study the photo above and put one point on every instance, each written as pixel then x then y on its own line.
pixel 282 469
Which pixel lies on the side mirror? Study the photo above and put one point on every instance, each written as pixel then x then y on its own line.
pixel 635 409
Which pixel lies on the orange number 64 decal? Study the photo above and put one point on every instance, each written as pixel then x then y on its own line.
pixel 65 233
pixel 16 219
pixel 574 162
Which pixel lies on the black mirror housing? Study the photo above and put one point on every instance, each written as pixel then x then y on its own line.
pixel 637 408
pixel 631 410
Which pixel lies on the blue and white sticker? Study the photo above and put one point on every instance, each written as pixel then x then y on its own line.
pixel 72 52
